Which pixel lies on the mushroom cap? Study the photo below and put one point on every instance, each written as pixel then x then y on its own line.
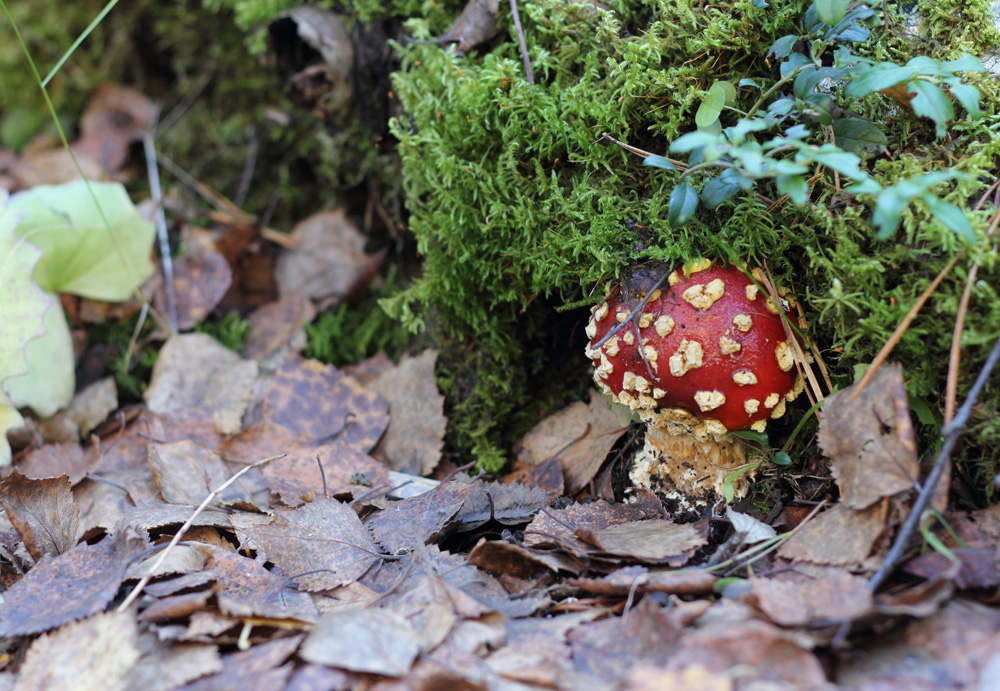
pixel 714 345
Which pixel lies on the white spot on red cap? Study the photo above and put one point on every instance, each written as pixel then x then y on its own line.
pixel 688 357
pixel 709 400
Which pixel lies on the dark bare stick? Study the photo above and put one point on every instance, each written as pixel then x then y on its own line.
pixel 524 46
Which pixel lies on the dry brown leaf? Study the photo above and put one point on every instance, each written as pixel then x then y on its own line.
pixel 186 472
pixel 547 476
pixel 418 519
pixel 196 371
pixel 246 589
pixel 95 654
pixel 42 511
pixel 74 585
pixel 870 440
pixel 319 403
pixel 298 474
pixel 952 649
pixel 507 558
pixel 201 279
pixel 977 567
pixel 652 542
pixel 318 678
pixel 693 678
pixel 580 436
pixel 328 261
pixel 101 504
pixel 511 504
pixel 258 669
pixel 373 641
pixel 170 665
pixel 320 545
pixel 637 580
pixel 176 607
pixel 837 537
pixel 477 24
pixel 607 649
pixel 115 118
pixel 278 325
pixel 91 406
pixel 52 460
pixel 415 436
pixel 559 527
pixel 818 599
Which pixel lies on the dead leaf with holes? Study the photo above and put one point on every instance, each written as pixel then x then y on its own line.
pixel 320 545
pixel 42 511
pixel 415 436
pixel 870 440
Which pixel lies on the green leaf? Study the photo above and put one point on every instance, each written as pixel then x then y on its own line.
pixel 968 96
pixel 750 435
pixel 749 82
pixel 949 214
pixel 711 107
pixel 782 458
pixel 80 253
pixel 723 187
pixel 965 63
pixel 49 383
pixel 889 207
pixel 859 136
pixel 867 186
pixel 926 66
pixel 882 76
pixel 932 102
pixel 691 141
pixel 729 90
pixel 831 11
pixel 838 160
pixel 783 46
pixel 655 161
pixel 795 187
pixel 683 204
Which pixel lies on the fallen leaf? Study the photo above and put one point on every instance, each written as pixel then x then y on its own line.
pixel 71 586
pixel 693 678
pixel 977 567
pixel 320 545
pixel 279 324
pixel 258 669
pixel 418 519
pixel 560 527
pixel 580 436
pixel 372 641
pixel 196 371
pixel 169 665
pixel 318 678
pixel 476 24
pixel 42 512
pixel 415 436
pixel 187 472
pixel 637 580
pixel 115 118
pixel 652 542
pixel 95 654
pixel 300 474
pixel 53 460
pixel 246 589
pixel 319 403
pixel 328 260
pixel 870 440
pixel 494 501
pixel 547 476
pixel 795 599
pixel 201 280
pixel 836 537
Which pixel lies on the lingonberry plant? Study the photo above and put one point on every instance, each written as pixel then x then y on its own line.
pixel 817 65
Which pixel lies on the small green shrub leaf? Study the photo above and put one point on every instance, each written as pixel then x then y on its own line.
pixel 859 137
pixel 729 90
pixel 795 187
pixel 749 82
pixel 683 204
pixel 949 214
pixel 711 107
pixel 965 63
pixel 655 161
pixel 691 141
pixel 783 46
pixel 881 76
pixel 840 161
pixel 831 11
pixel 889 207
pixel 723 187
pixel 968 96
pixel 932 102
pixel 782 458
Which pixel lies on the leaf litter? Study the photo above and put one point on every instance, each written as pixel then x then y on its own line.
pixel 340 565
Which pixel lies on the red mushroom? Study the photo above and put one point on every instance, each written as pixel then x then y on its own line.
pixel 697 353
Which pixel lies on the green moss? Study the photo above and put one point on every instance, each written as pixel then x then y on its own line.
pixel 231 331
pixel 516 201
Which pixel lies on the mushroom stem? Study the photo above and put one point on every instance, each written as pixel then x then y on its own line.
pixel 682 455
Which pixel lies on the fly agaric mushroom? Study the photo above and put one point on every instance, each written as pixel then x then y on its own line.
pixel 697 353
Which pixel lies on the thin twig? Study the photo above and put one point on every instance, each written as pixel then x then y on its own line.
pixel 951 433
pixel 903 326
pixel 253 149
pixel 144 581
pixel 153 172
pixel 520 37
pixel 681 165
